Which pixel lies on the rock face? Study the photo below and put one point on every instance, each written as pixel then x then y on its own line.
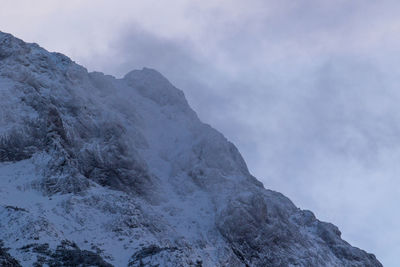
pixel 99 171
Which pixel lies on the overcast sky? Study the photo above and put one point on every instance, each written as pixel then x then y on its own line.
pixel 307 90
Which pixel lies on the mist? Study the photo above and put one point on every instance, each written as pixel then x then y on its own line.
pixel 308 91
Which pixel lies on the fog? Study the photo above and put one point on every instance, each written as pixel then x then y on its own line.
pixel 308 91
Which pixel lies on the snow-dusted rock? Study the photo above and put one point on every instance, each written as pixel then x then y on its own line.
pixel 101 171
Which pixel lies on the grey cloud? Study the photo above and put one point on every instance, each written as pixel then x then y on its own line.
pixel 307 90
pixel 324 134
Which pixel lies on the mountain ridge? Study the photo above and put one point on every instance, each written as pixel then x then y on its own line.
pixel 105 171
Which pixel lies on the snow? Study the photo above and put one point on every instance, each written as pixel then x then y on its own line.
pixel 124 168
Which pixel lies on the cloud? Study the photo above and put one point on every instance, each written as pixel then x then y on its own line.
pixel 315 114
pixel 307 90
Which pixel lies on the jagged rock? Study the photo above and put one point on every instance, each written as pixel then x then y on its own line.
pixel 66 254
pixel 125 170
pixel 5 258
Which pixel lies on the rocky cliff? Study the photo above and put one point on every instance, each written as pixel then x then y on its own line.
pixel 99 171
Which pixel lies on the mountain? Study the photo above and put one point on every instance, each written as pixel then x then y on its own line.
pixel 99 171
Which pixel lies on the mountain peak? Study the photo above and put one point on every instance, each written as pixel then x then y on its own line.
pixel 101 171
pixel 152 84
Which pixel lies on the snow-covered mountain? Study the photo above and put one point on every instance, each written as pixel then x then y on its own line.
pixel 99 171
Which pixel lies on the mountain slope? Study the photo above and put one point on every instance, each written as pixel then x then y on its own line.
pixel 114 172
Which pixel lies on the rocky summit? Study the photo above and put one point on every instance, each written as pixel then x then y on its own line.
pixel 100 171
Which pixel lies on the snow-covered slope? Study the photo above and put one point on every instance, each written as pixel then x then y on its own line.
pixel 99 171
